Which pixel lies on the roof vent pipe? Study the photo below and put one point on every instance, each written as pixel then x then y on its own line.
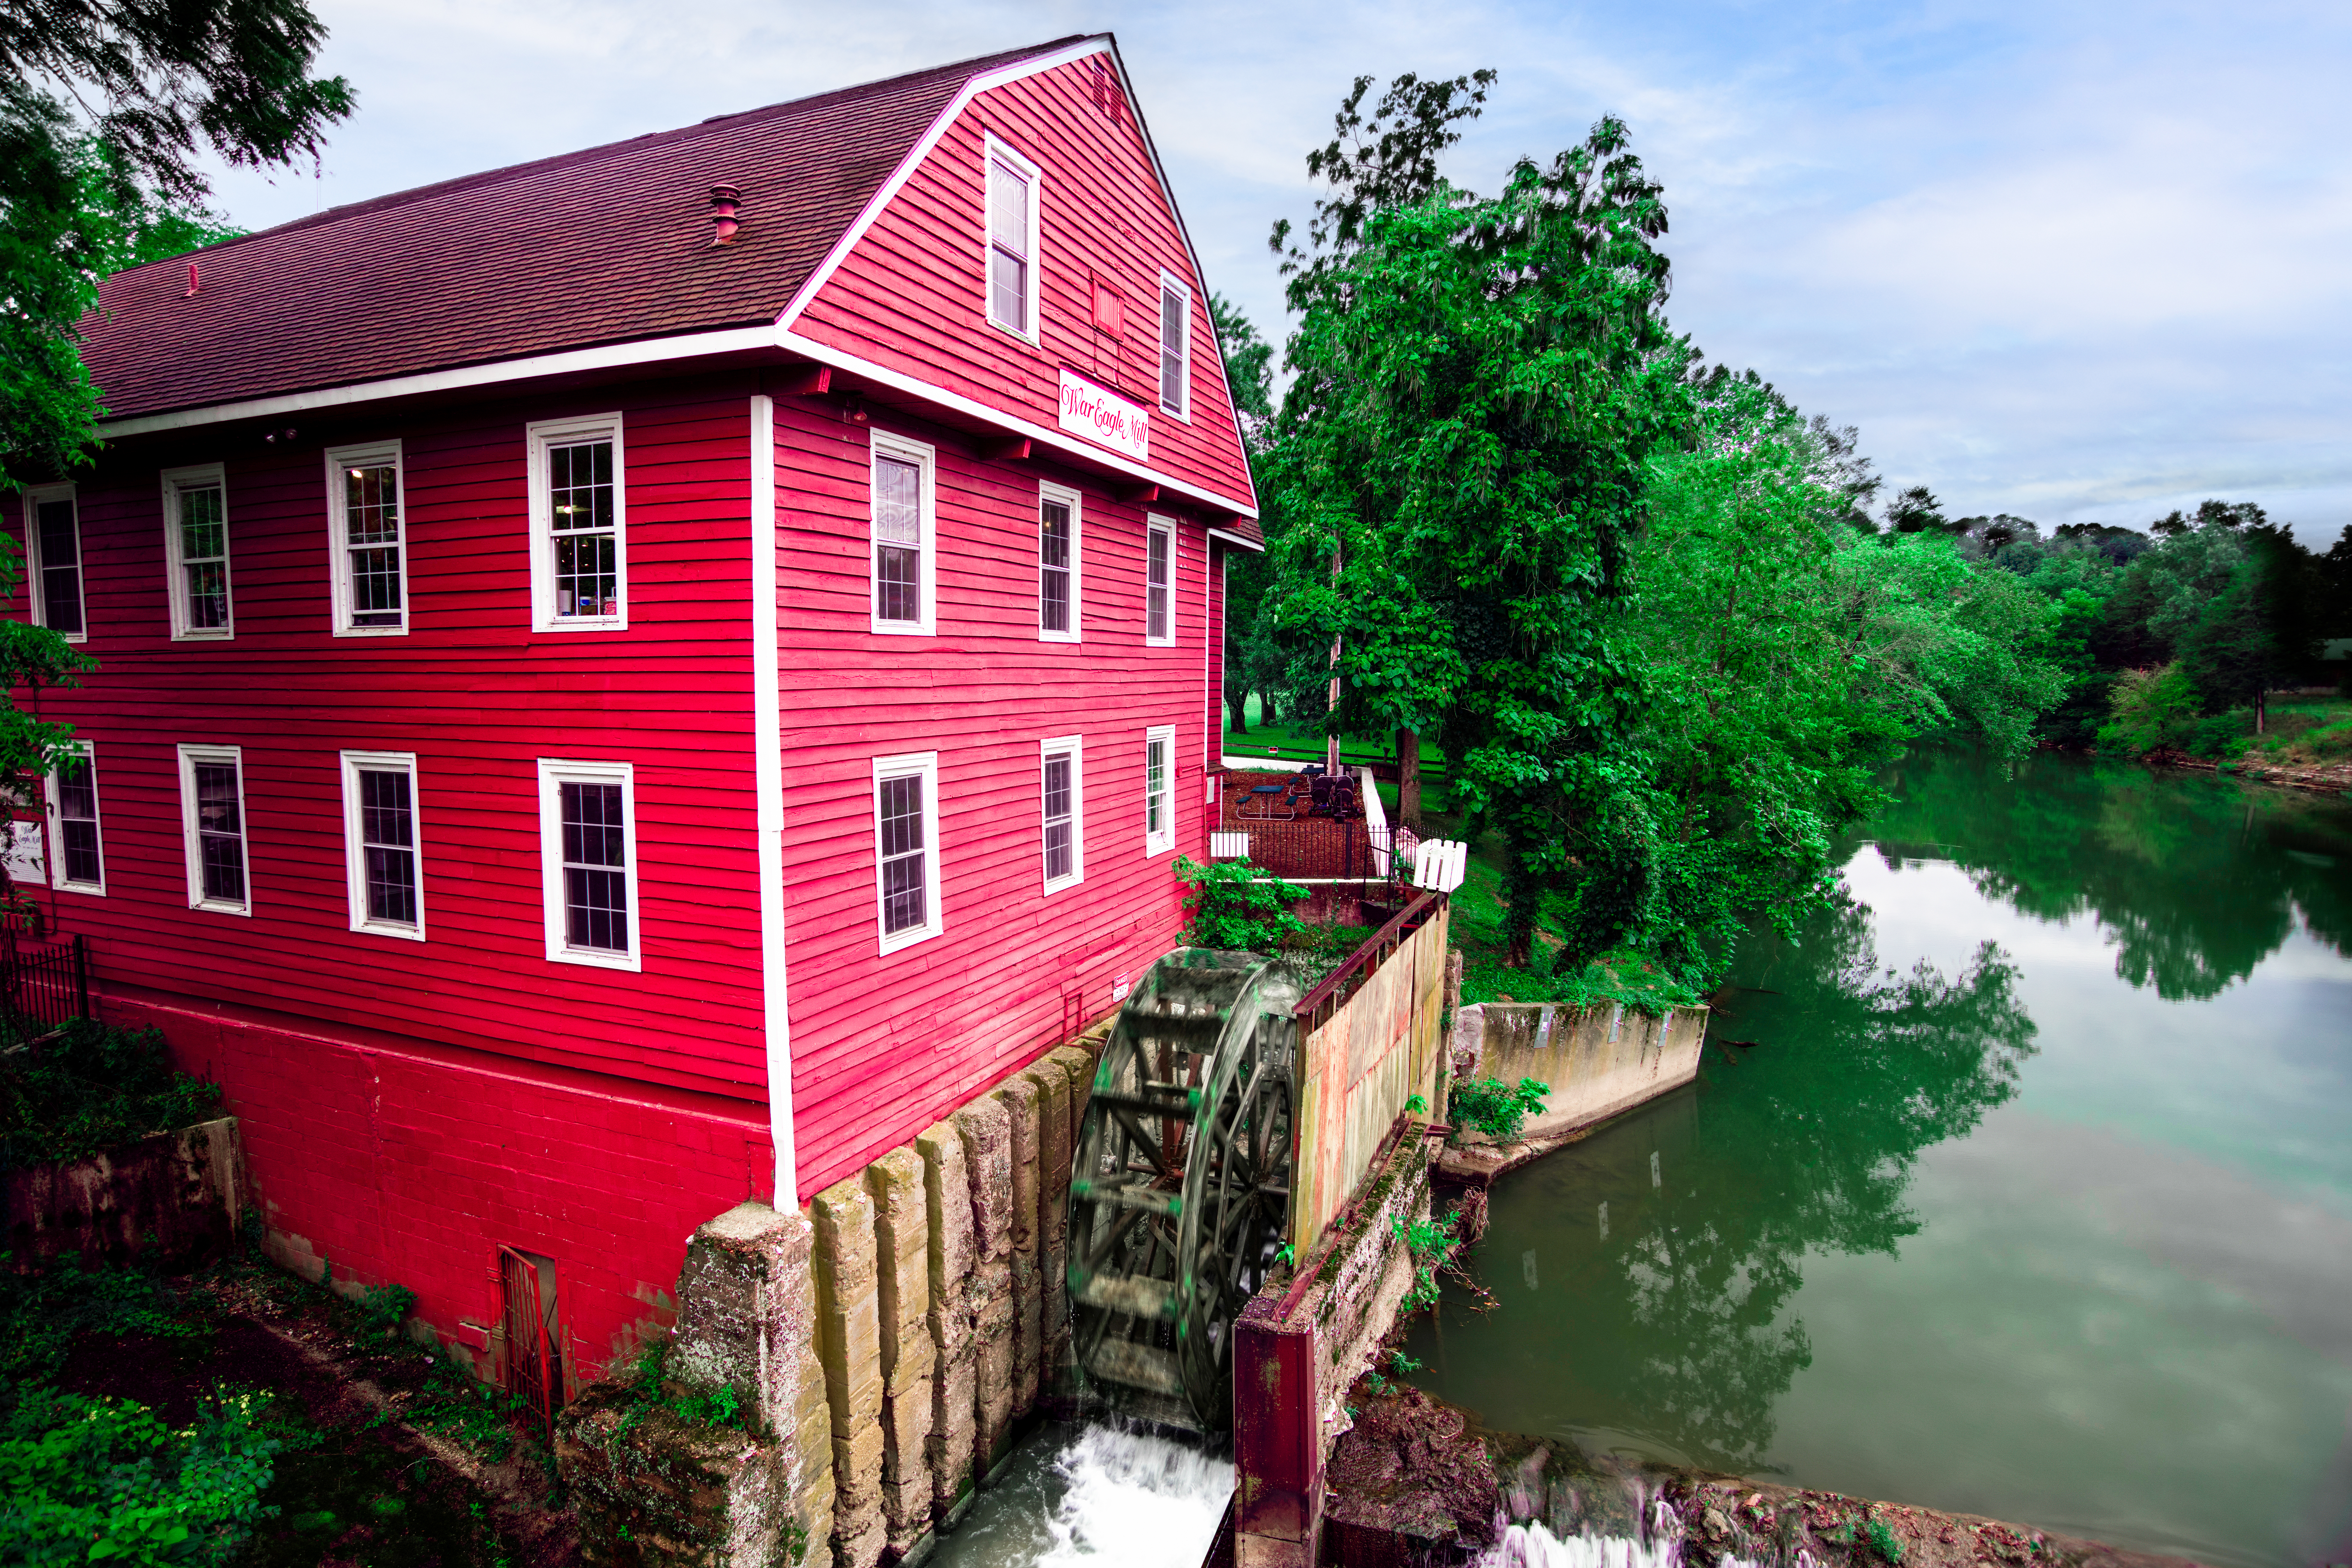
pixel 723 223
pixel 192 281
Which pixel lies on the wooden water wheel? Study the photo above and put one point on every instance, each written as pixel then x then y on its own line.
pixel 1179 1198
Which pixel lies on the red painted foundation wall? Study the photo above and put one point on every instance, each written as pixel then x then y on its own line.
pixel 409 1170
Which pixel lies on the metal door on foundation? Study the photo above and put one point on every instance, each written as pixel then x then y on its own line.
pixel 534 1358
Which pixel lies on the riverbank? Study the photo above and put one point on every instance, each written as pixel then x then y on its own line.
pixel 1416 1481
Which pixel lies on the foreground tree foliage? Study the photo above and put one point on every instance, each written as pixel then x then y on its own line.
pixel 105 108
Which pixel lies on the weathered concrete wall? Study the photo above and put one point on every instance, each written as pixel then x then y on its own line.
pixel 651 1488
pixel 931 1314
pixel 1300 1343
pixel 985 1126
pixel 849 1343
pixel 1597 1060
pixel 910 1356
pixel 184 1188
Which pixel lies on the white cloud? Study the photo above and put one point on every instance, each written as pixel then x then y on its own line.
pixel 2078 260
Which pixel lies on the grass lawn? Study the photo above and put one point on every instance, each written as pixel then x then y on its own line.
pixel 1304 743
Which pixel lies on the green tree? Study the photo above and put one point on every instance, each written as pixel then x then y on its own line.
pixel 1784 659
pixel 1249 367
pixel 1915 510
pixel 105 107
pixel 1456 474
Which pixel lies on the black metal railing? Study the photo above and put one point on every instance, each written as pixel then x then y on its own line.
pixel 42 983
pixel 1318 847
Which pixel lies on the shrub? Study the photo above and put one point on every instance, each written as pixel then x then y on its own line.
pixel 90 1087
pixel 103 1481
pixel 1234 906
pixel 1487 1105
pixel 2149 708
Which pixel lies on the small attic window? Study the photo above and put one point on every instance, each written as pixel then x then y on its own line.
pixel 1110 101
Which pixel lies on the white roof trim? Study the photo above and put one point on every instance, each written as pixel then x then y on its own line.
pixel 1224 536
pixel 890 188
pixel 644 350
pixel 826 353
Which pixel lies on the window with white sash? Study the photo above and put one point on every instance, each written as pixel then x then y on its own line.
pixel 53 561
pixel 1159 795
pixel 369 541
pixel 1012 228
pixel 383 856
pixel 1062 809
pixel 906 849
pixel 195 553
pixel 212 824
pixel 1057 563
pixel 903 528
pixel 579 525
pixel 588 856
pixel 77 850
pixel 1159 583
pixel 1175 346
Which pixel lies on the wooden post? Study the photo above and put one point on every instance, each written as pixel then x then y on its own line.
pixel 1409 778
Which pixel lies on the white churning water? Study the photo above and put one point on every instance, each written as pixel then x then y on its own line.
pixel 1533 1546
pixel 1095 1494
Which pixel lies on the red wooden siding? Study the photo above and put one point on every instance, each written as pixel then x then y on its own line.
pixel 478 697
pixel 884 1045
pixel 911 294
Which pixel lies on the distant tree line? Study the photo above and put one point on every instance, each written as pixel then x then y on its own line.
pixel 2171 638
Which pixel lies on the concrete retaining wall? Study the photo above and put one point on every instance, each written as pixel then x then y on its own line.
pixel 1598 1060
pixel 185 1189
pixel 1299 1347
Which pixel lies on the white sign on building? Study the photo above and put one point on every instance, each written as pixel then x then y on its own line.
pixel 1105 416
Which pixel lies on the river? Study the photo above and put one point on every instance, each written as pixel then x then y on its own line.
pixel 2057 1229
pixel 2033 1198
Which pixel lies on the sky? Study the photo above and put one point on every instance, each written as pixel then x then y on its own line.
pixel 2081 262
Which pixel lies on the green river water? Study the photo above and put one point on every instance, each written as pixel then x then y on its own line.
pixel 2034 1197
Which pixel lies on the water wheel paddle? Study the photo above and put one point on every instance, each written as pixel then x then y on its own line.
pixel 1180 1195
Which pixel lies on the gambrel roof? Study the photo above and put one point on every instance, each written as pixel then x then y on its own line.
pixel 605 246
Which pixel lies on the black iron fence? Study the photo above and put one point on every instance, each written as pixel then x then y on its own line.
pixel 42 983
pixel 1318 847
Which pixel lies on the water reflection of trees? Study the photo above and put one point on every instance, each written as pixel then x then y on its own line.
pixel 2198 880
pixel 1811 1149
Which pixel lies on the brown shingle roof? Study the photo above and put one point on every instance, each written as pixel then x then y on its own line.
pixel 604 246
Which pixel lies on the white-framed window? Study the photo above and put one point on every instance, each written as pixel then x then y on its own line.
pixel 579 525
pixel 1159 581
pixel 1013 200
pixel 368 538
pixel 195 553
pixel 384 855
pixel 1058 616
pixel 1175 346
pixel 76 848
pixel 53 560
pixel 1061 795
pixel 1159 789
pixel 902 562
pixel 906 849
pixel 588 855
pixel 212 821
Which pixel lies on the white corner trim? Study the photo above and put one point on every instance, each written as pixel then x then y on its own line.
pixel 767 787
